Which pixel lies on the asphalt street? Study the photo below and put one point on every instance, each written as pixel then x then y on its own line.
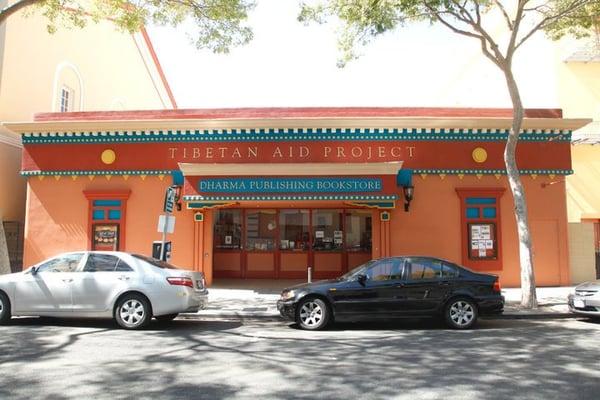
pixel 271 359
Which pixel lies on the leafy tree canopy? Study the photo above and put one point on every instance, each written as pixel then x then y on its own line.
pixel 363 20
pixel 217 24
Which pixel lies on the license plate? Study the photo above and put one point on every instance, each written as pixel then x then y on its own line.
pixel 578 303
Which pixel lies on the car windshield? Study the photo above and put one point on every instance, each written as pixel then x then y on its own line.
pixel 352 274
pixel 155 262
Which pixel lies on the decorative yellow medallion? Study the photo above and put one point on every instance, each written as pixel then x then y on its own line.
pixel 479 155
pixel 108 156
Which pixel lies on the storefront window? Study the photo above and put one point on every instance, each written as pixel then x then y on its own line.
pixel 261 230
pixel 358 230
pixel 293 230
pixel 228 229
pixel 327 230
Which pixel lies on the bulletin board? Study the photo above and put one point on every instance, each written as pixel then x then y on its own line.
pixel 483 244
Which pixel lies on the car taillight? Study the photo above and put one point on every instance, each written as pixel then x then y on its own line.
pixel 181 281
pixel 497 288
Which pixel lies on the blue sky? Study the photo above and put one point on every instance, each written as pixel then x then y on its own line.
pixel 289 64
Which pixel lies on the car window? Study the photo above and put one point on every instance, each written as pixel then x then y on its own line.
pixel 424 268
pixel 100 263
pixel 66 263
pixel 384 270
pixel 122 266
pixel 449 271
pixel 155 262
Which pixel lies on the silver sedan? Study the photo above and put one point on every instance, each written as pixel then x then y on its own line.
pixel 91 284
pixel 586 299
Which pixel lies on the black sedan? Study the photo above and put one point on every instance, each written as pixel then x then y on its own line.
pixel 396 287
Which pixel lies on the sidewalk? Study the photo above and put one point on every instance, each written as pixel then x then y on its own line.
pixel 258 298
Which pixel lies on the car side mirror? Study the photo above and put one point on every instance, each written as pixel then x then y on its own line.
pixel 34 271
pixel 361 278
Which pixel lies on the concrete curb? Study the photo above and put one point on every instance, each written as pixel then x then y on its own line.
pixel 265 317
pixel 533 316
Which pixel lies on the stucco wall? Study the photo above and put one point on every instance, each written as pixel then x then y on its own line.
pixel 432 226
pixel 58 216
pixel 581 252
pixel 58 221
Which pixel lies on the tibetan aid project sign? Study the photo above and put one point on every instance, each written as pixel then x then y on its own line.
pixel 290 185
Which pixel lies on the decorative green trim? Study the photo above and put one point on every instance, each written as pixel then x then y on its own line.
pixel 493 171
pixel 94 172
pixel 374 204
pixel 415 171
pixel 288 197
pixel 295 134
pixel 206 205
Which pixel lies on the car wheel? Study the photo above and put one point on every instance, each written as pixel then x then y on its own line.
pixel 133 312
pixel 460 313
pixel 166 318
pixel 4 309
pixel 312 314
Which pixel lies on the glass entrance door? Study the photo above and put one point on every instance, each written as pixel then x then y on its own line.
pixel 259 259
pixel 294 243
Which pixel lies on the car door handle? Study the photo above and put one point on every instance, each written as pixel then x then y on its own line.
pixel 68 280
pixel 123 278
pixel 400 285
pixel 444 283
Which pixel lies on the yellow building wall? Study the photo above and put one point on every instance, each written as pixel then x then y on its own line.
pixel 106 69
pixel 12 197
pixel 579 89
pixel 581 245
pixel 113 70
pixel 583 187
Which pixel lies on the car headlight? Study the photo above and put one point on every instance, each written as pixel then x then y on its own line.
pixel 288 294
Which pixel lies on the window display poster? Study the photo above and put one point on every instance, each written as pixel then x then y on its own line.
pixel 320 234
pixel 228 239
pixel 106 237
pixel 485 232
pixel 338 237
pixel 482 244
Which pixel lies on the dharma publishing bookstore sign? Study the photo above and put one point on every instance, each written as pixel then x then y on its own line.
pixel 290 185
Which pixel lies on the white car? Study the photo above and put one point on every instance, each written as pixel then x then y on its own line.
pixel 94 284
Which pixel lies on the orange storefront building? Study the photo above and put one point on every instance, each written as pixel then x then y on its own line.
pixel 267 193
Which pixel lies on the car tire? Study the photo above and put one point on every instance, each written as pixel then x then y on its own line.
pixel 166 318
pixel 313 314
pixel 133 311
pixel 4 309
pixel 460 313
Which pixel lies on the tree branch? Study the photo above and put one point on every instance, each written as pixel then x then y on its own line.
pixel 10 10
pixel 510 48
pixel 575 5
pixel 437 15
pixel 504 13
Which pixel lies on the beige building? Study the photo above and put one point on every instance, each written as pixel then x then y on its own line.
pixel 579 89
pixel 95 68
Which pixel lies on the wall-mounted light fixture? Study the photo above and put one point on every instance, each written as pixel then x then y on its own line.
pixel 404 180
pixel 408 195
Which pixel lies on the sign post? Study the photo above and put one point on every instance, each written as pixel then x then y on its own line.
pixel 168 209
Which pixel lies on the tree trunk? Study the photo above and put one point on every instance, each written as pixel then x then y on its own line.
pixel 13 8
pixel 528 295
pixel 4 260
